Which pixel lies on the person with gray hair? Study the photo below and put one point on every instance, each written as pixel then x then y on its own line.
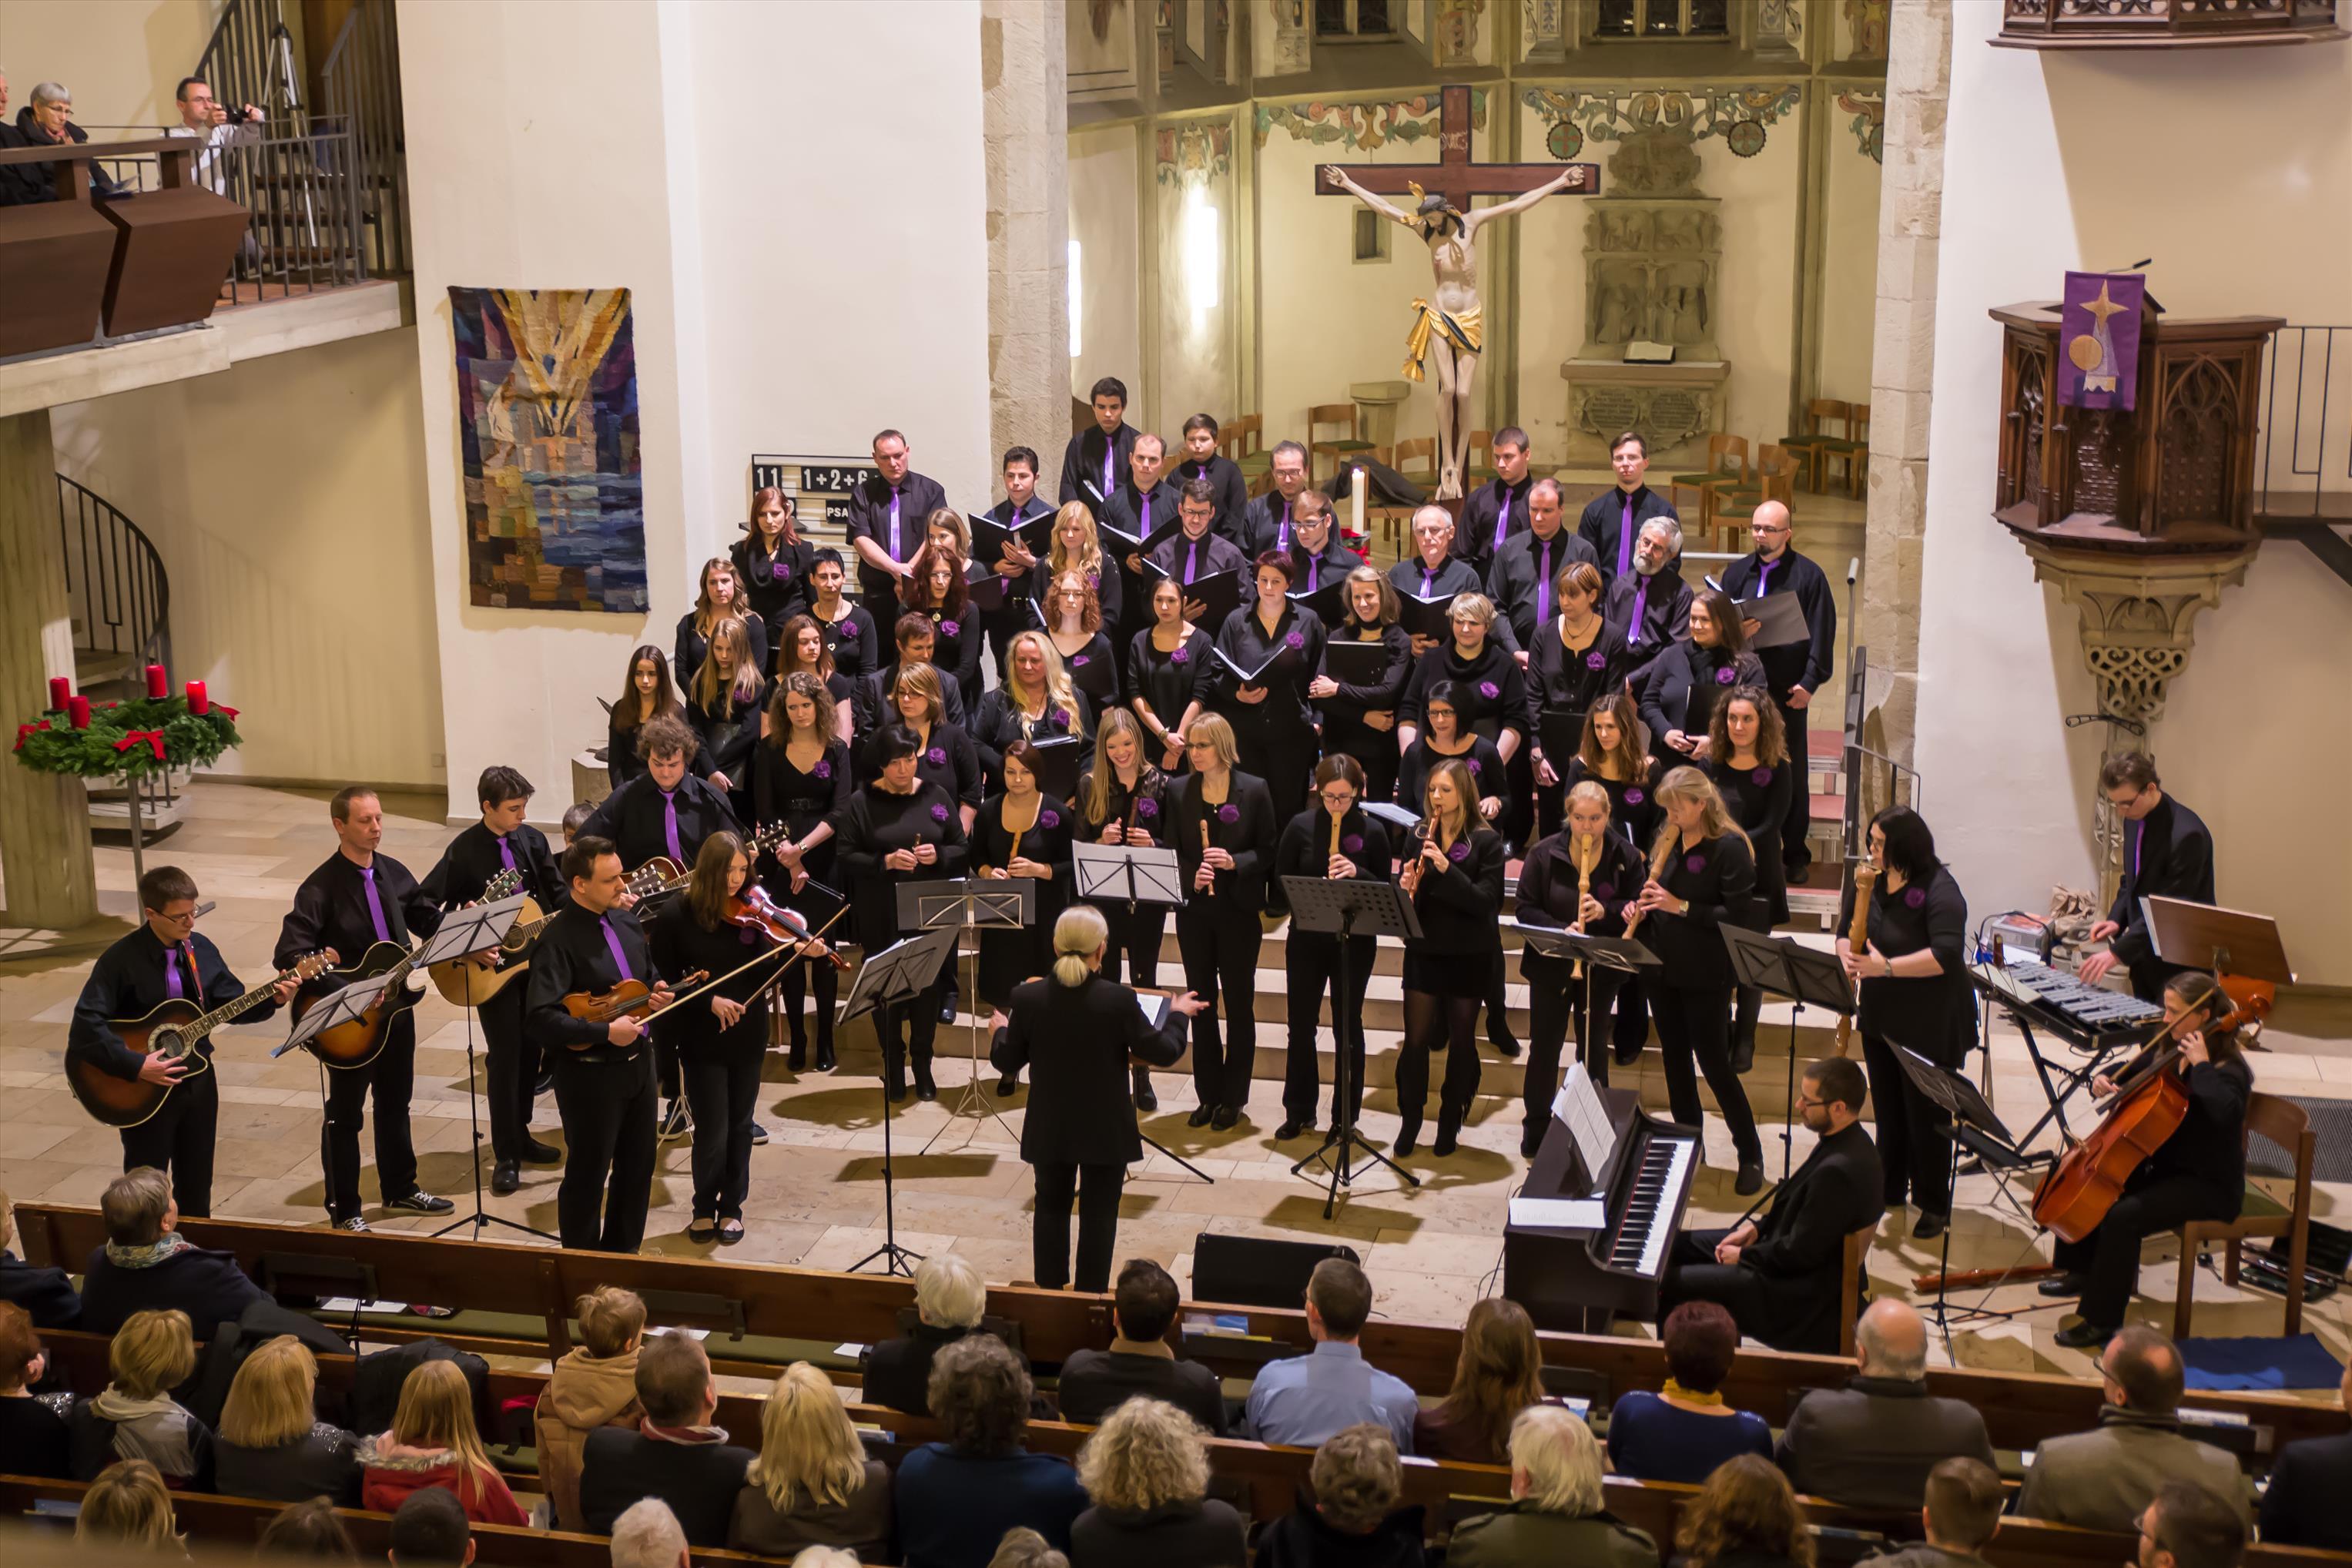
pixel 2104 1478
pixel 1147 1469
pixel 20 183
pixel 46 120
pixel 950 1301
pixel 647 1535
pixel 1649 605
pixel 1356 1482
pixel 1873 1443
pixel 1557 1514
pixel 1435 570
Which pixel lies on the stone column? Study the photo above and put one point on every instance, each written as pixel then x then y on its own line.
pixel 1026 135
pixel 44 818
pixel 1902 362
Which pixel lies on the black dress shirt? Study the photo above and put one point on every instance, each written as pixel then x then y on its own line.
pixel 1490 692
pixel 1344 729
pixel 1683 688
pixel 1078 1040
pixel 633 818
pixel 2167 854
pixel 1490 517
pixel 1313 573
pixel 1652 614
pixel 1413 578
pixel 1718 877
pixel 1935 1014
pixel 574 955
pixel 1296 645
pixel 1806 663
pixel 873 824
pixel 871 708
pixel 1547 894
pixel 917 496
pixel 1224 476
pixel 1489 777
pixel 1602 525
pixel 1184 559
pixel 692 648
pixel 474 857
pixel 1243 828
pixel 1461 907
pixel 775 586
pixel 131 979
pixel 1266 525
pixel 1523 575
pixel 852 641
pixel 1757 799
pixel 1092 459
pixel 1136 513
pixel 331 909
pixel 728 729
pixel 1561 680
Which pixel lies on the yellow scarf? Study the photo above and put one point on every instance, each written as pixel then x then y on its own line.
pixel 1690 1396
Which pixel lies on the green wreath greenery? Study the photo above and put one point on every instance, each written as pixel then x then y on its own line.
pixel 127 740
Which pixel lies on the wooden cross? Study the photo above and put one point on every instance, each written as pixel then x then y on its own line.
pixel 1454 175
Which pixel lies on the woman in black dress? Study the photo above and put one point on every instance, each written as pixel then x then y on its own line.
pixel 1443 738
pixel 1702 878
pixel 1746 759
pixel 1455 882
pixel 1123 799
pixel 722 704
pixel 849 634
pixel 1554 892
pixel 900 827
pixel 721 599
pixel 1076 547
pixel 1334 838
pixel 1167 672
pixel 1914 989
pixel 1023 831
pixel 935 589
pixel 1036 702
pixel 1490 692
pixel 1075 627
pixel 1578 659
pixel 1691 676
pixel 800 781
pixel 1224 839
pixel 771 560
pixel 1273 724
pixel 946 755
pixel 800 650
pixel 1360 721
pixel 648 694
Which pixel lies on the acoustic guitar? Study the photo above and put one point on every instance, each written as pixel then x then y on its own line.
pixel 663 875
pixel 178 1029
pixel 356 1042
pixel 467 984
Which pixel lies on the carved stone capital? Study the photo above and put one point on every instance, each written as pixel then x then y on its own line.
pixel 2136 611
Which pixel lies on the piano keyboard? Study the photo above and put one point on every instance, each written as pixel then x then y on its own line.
pixel 2092 1007
pixel 1640 1242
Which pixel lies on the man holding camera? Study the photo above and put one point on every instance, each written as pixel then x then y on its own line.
pixel 216 124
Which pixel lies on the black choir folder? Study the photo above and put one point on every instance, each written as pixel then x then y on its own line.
pixel 1117 540
pixel 1780 620
pixel 1256 676
pixel 1432 618
pixel 1329 602
pixel 1220 591
pixel 988 537
pixel 1057 765
pixel 1355 663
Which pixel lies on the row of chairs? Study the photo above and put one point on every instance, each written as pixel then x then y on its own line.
pixel 1731 485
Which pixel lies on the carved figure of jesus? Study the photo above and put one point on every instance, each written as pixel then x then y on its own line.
pixel 1449 327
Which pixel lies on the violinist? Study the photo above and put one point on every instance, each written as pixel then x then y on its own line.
pixel 1333 837
pixel 1123 799
pixel 1914 992
pixel 2198 1174
pixel 1360 720
pixel 801 779
pixel 1023 831
pixel 722 1035
pixel 1455 882
pixel 1573 879
pixel 603 1073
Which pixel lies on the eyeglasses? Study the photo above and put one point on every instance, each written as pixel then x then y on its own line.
pixel 187 918
pixel 1764 531
pixel 1339 800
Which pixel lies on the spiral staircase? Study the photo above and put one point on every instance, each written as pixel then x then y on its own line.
pixel 121 603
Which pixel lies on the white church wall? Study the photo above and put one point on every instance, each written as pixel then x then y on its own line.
pixel 1195 187
pixel 124 72
pixel 1848 259
pixel 1106 221
pixel 2036 181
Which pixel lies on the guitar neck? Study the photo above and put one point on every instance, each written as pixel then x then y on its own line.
pixel 229 1012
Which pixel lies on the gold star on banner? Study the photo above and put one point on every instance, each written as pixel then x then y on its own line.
pixel 2102 307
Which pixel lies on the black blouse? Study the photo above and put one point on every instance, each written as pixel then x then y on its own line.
pixel 948 759
pixel 680 946
pixel 1047 841
pixel 1561 680
pixel 1144 807
pixel 1683 686
pixel 1485 763
pixel 1170 681
pixel 1757 799
pixel 729 731
pixel 1095 650
pixel 692 648
pixel 1490 693
pixel 1460 909
pixel 1000 719
pixel 1296 646
pixel 1105 581
pixel 1243 826
pixel 875 823
pixel 782 793
pixel 1935 1016
pixel 1305 850
pixel 1718 877
pixel 955 642
pixel 851 640
pixel 775 586
pixel 1344 729
pixel 1547 894
pixel 1634 809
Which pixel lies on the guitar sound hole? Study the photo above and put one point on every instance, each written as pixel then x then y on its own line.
pixel 168 1041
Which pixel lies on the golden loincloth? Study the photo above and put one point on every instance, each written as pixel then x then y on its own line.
pixel 1463 329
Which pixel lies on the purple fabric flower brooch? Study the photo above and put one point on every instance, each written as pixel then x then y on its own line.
pixel 1147 806
pixel 823 770
pixel 1489 691
pixel 1915 897
pixel 1596 659
pixel 939 813
pixel 1725 676
pixel 1762 775
pixel 1181 655
pixel 950 628
pixel 1353 843
pixel 937 756
pixel 1049 818
pixel 1295 640
pixel 1636 795
pixel 1229 812
pixel 1077 659
pixel 1604 890
pixel 1460 852
pixel 1695 863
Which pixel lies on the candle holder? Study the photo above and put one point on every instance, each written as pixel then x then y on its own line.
pixel 133 742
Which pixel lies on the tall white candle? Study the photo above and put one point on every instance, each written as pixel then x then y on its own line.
pixel 1356 494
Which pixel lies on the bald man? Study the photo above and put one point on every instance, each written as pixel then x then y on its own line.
pixel 1872 1444
pixel 1794 670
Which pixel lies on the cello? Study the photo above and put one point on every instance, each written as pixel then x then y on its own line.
pixel 2147 1109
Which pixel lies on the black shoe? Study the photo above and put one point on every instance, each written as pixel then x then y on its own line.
pixel 825 1062
pixel 1201 1115
pixel 2085 1336
pixel 1008 1086
pixel 538 1154
pixel 1145 1099
pixel 1531 1139
pixel 1505 1047
pixel 759 1133
pixel 2062 1285
pixel 1292 1129
pixel 1448 1127
pixel 420 1202
pixel 925 1090
pixel 1623 1058
pixel 1407 1135
pixel 1226 1117
pixel 1743 1053
pixel 948 1011
pixel 1750 1178
pixel 731 1231
pixel 506 1178
pixel 896 1093
pixel 797 1057
pixel 702 1229
pixel 1929 1226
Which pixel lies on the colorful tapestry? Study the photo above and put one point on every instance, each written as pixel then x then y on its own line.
pixel 547 404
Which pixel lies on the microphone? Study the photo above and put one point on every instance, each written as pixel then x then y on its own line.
pixel 1853 570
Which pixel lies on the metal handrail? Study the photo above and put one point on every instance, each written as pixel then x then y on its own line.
pixel 115 579
pixel 2309 380
pixel 362 83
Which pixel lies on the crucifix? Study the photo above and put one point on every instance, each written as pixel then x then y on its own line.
pixel 1450 328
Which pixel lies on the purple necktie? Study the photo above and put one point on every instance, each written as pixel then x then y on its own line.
pixel 1282 533
pixel 1626 539
pixel 174 984
pixel 505 853
pixel 1191 559
pixel 1503 515
pixel 894 520
pixel 1110 456
pixel 1763 577
pixel 669 826
pixel 1428 582
pixel 375 904
pixel 1314 572
pixel 1641 600
pixel 1146 527
pixel 613 944
pixel 2138 836
pixel 1543 586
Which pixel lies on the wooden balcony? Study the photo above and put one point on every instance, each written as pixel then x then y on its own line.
pixel 2165 23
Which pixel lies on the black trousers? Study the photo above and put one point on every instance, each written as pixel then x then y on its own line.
pixel 1096 1189
pixel 179 1139
pixel 1285 758
pixel 1630 1029
pixel 800 979
pixel 1315 972
pixel 512 1064
pixel 1915 1133
pixel 1554 1002
pixel 722 1086
pixel 392 1077
pixel 2150 1206
pixel 908 1028
pixel 1220 947
pixel 1694 1275
pixel 665 1060
pixel 1694 1027
pixel 1794 856
pixel 608 1167
pixel 1518 817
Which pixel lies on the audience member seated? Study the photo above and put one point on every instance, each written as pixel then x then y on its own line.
pixel 594 1386
pixel 647 1535
pixel 2188 1526
pixel 1682 1433
pixel 949 1298
pixel 430 1528
pixel 272 1442
pixel 308 1532
pixel 812 1484
pixel 1746 1516
pixel 2303 1506
pixel 1871 1444
pixel 46 120
pixel 1495 1379
pixel 433 1444
pixel 842 1557
pixel 147 1263
pixel 1147 1469
pixel 1556 1517
pixel 1349 1518
pixel 1020 1547
pixel 34 1438
pixel 674 1454
pixel 955 1499
pixel 1304 1399
pixel 1964 1498
pixel 136 1417
pixel 129 1505
pixel 1140 1361
pixel 45 1293
pixel 2104 1478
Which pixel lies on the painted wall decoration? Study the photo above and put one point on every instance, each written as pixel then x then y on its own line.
pixel 1867 22
pixel 1196 151
pixel 1363 126
pixel 547 404
pixel 1868 106
pixel 1572 118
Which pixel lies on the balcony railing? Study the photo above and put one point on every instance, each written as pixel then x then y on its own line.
pixel 2164 24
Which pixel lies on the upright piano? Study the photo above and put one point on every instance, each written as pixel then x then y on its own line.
pixel 1575 1279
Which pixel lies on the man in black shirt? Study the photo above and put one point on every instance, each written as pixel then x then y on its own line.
pixel 165 960
pixel 2167 854
pixel 665 811
pixel 1203 461
pixel 1498 508
pixel 1613 519
pixel 1140 1364
pixel 1315 548
pixel 1095 463
pixel 887 524
pixel 1197 550
pixel 1649 605
pixel 502 841
pixel 1268 521
pixel 1436 571
pixel 604 1075
pixel 1143 504
pixel 870 700
pixel 354 900
pixel 1523 579
pixel 1022 503
pixel 1794 670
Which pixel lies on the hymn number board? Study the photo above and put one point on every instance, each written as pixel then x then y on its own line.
pixel 820 487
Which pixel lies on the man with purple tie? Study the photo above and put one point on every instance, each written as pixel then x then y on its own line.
pixel 1523 576
pixel 1793 671
pixel 357 899
pixel 1613 519
pixel 1435 570
pixel 603 1074
pixel 887 513
pixel 1496 511
pixel 1196 551
pixel 1649 605
pixel 1317 558
pixel 165 959
pixel 1094 465
pixel 1267 523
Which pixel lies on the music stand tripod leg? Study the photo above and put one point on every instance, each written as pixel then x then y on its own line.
pixel 481 1216
pixel 1343 1139
pixel 974 1090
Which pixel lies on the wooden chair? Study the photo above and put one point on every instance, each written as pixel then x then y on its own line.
pixel 1478 459
pixel 1416 462
pixel 1807 444
pixel 1776 476
pixel 1726 464
pixel 1857 1253
pixel 2288 1125
pixel 1243 440
pixel 1339 449
pixel 1853 451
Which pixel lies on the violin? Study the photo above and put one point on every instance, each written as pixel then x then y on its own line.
pixel 754 910
pixel 627 999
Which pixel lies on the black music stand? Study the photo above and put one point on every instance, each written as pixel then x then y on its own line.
pixel 897 974
pixel 1622 954
pixel 1787 967
pixel 1340 906
pixel 1988 1140
pixel 974 903
pixel 1140 876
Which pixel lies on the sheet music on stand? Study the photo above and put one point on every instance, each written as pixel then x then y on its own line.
pixel 478 928
pixel 1143 876
pixel 335 1007
pixel 1578 1104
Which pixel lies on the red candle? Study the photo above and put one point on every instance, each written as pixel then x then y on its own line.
pixel 77 711
pixel 59 690
pixel 197 701
pixel 155 683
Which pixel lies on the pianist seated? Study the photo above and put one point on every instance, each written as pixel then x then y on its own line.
pixel 1682 1433
pixel 1778 1275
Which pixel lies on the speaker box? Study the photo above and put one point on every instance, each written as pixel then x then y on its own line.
pixel 1257 1272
